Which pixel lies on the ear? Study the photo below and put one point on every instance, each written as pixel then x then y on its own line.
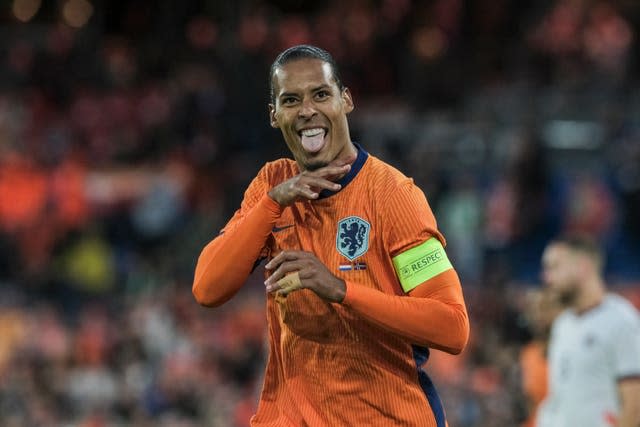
pixel 272 116
pixel 348 101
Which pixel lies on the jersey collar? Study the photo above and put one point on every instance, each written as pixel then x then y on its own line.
pixel 355 168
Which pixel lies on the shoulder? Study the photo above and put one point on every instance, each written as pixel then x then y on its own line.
pixel 620 311
pixel 278 170
pixel 271 174
pixel 562 321
pixel 564 317
pixel 387 179
pixel 380 169
pixel 403 210
pixel 282 165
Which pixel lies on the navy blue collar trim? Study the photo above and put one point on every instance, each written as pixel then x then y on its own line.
pixel 355 168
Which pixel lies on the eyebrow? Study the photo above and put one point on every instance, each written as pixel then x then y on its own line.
pixel 315 89
pixel 286 94
pixel 322 86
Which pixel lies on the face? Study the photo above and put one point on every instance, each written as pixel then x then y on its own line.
pixel 311 111
pixel 561 271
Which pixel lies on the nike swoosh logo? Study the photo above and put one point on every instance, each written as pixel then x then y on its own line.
pixel 276 229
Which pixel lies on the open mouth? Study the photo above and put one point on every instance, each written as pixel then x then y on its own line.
pixel 313 139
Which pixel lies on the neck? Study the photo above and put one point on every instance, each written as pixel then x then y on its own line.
pixel 591 296
pixel 348 154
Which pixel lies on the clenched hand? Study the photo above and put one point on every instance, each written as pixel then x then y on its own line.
pixel 313 275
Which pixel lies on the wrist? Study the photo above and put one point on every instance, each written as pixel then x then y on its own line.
pixel 272 204
pixel 353 294
pixel 274 197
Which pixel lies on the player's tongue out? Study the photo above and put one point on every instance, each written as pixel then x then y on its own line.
pixel 312 139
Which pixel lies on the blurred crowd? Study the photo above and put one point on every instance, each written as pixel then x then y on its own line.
pixel 127 139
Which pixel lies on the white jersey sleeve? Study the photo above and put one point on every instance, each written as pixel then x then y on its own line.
pixel 626 342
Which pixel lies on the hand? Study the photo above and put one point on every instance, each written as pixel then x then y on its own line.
pixel 313 275
pixel 308 184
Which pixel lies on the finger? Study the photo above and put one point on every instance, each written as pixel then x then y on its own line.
pixel 289 283
pixel 282 293
pixel 331 170
pixel 320 183
pixel 285 268
pixel 282 257
pixel 341 162
pixel 307 192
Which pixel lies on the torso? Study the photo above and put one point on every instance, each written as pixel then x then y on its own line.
pixel 329 354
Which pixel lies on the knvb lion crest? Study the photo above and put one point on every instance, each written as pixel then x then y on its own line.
pixel 352 238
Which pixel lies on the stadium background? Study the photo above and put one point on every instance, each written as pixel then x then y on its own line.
pixel 129 129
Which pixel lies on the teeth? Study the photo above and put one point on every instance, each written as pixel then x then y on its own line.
pixel 312 132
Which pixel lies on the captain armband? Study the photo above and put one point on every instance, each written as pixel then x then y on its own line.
pixel 421 263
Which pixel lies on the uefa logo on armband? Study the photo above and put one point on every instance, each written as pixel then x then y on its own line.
pixel 405 272
pixel 352 237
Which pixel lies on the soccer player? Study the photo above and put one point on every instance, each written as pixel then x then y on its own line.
pixel 359 285
pixel 594 351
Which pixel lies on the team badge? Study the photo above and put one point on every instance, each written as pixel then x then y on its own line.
pixel 352 238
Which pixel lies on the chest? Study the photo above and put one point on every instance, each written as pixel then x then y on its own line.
pixel 579 346
pixel 332 229
pixel 345 232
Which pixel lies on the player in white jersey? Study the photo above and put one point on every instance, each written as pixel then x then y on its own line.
pixel 594 352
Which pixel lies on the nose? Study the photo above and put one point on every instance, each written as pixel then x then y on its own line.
pixel 307 109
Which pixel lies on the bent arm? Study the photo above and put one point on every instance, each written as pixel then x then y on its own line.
pixel 433 314
pixel 226 262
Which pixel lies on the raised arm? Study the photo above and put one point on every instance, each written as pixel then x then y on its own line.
pixel 226 262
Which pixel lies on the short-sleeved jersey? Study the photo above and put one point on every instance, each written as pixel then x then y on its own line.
pixel 327 365
pixel 588 354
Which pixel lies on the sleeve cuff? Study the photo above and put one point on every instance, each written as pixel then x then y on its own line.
pixel 353 294
pixel 271 205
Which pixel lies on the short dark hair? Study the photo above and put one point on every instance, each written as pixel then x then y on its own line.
pixel 583 243
pixel 303 51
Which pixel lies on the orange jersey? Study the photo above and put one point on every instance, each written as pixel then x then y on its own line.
pixel 534 370
pixel 336 364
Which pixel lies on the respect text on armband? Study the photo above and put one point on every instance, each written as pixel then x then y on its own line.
pixel 422 263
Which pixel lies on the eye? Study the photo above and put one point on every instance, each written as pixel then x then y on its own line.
pixel 322 94
pixel 288 100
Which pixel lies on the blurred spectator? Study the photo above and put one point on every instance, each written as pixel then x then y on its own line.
pixel 541 308
pixel 461 213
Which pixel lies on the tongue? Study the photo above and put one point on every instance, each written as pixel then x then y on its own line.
pixel 313 144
